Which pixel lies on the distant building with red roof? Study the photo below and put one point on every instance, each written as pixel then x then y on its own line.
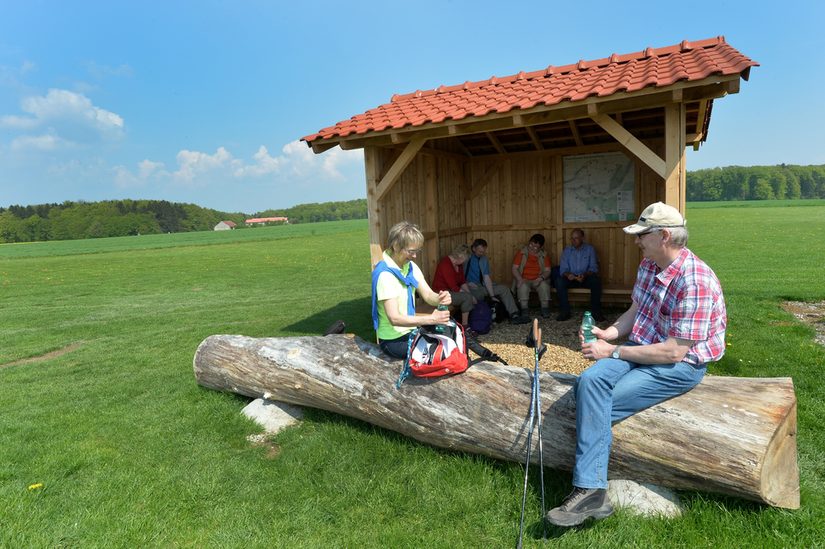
pixel 225 226
pixel 267 220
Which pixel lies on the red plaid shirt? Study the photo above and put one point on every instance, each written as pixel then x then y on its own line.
pixel 684 301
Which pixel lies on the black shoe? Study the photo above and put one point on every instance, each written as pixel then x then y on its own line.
pixel 545 312
pixel 599 317
pixel 580 505
pixel 336 327
pixel 519 319
pixel 564 315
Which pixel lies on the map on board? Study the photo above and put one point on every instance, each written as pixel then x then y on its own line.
pixel 599 187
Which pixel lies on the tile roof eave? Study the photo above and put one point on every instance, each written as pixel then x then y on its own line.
pixel 317 141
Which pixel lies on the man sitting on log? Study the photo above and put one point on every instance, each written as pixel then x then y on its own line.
pixel 675 326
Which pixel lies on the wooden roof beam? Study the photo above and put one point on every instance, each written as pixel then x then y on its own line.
pixel 575 131
pixel 630 142
pixel 496 143
pixel 398 167
pixel 534 138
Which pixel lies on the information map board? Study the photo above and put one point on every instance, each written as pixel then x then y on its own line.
pixel 599 187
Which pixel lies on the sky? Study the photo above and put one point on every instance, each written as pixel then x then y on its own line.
pixel 205 102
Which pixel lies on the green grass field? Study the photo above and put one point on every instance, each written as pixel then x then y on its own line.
pixel 131 452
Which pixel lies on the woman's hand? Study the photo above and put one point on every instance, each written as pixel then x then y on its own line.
pixel 444 298
pixel 440 317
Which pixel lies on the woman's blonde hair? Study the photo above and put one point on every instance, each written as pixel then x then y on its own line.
pixel 462 250
pixel 403 235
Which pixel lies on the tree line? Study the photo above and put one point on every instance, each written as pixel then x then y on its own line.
pixel 78 220
pixel 781 182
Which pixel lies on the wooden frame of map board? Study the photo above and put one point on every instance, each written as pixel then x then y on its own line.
pixel 599 187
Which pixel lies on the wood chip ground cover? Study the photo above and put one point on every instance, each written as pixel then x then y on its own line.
pixel 562 340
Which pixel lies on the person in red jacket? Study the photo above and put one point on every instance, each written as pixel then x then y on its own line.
pixel 449 276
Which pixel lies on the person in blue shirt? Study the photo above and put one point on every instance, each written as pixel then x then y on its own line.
pixel 477 275
pixel 579 268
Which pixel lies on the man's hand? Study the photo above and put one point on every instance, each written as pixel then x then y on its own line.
pixel 598 349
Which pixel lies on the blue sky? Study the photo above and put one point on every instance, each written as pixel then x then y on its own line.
pixel 205 101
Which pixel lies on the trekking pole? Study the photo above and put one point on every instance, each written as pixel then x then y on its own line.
pixel 531 339
pixel 537 381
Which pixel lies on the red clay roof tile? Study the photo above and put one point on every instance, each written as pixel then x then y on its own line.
pixel 658 67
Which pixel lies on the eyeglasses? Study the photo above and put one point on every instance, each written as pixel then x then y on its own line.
pixel 413 252
pixel 653 230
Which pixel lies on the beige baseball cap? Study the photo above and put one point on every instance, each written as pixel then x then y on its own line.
pixel 657 215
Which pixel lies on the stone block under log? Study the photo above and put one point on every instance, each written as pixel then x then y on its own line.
pixel 734 436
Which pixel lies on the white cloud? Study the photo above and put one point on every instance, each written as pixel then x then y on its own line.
pixel 69 116
pixel 195 163
pixel 46 142
pixel 304 162
pixel 264 164
pixel 147 169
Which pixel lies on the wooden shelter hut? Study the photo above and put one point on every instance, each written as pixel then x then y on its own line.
pixel 583 145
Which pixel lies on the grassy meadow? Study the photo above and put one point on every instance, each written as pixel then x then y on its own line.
pixel 101 410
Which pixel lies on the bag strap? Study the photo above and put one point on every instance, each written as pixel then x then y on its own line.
pixel 405 369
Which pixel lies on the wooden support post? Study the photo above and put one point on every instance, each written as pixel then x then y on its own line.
pixel 372 169
pixel 675 156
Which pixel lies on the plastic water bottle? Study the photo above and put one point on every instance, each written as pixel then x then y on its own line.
pixel 439 328
pixel 587 327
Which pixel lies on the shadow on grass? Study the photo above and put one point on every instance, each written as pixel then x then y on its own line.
pixel 356 314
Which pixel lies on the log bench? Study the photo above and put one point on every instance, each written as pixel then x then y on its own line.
pixel 734 436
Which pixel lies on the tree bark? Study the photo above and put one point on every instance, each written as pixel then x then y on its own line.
pixel 733 436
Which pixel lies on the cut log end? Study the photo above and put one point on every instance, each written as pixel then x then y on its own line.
pixel 780 472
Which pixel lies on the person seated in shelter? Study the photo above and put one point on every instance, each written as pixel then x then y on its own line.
pixel 579 268
pixel 395 280
pixel 449 277
pixel 531 271
pixel 477 274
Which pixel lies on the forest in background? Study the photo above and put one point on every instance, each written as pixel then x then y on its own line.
pixel 78 220
pixel 785 181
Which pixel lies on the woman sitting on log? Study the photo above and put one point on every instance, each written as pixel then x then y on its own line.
pixel 395 280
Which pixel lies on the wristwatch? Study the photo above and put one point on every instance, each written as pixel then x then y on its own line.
pixel 615 353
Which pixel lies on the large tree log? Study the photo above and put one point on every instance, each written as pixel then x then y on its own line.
pixel 728 435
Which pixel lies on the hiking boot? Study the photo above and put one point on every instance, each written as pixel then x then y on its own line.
pixel 564 315
pixel 470 333
pixel 519 319
pixel 545 312
pixel 580 505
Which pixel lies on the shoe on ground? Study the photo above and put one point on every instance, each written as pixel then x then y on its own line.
pixel 580 505
pixel 337 327
pixel 519 319
pixel 564 315
pixel 545 312
pixel 599 317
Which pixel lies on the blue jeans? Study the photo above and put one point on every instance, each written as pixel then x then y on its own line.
pixel 396 348
pixel 611 390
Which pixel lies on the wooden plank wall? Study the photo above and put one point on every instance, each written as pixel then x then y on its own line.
pixel 504 199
